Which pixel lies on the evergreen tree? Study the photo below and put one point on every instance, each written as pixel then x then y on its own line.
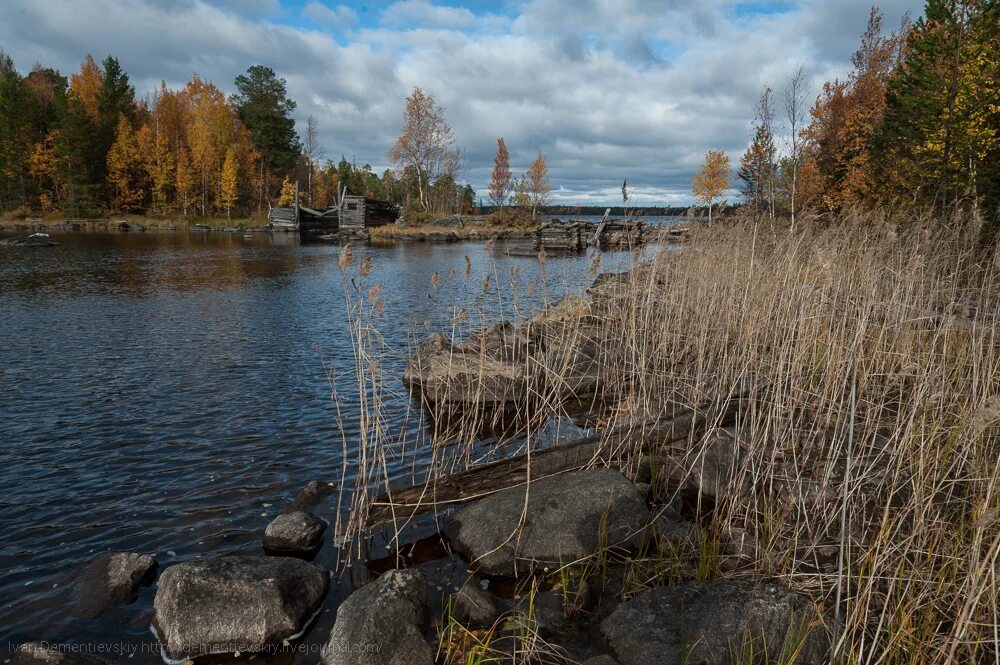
pixel 265 109
pixel 757 167
pixel 939 142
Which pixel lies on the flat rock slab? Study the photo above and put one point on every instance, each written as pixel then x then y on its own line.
pixel 717 622
pixel 236 603
pixel 297 531
pixel 111 579
pixel 382 623
pixel 48 653
pixel 564 520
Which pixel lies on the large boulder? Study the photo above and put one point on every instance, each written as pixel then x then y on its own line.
pixel 111 579
pixel 717 622
pixel 444 374
pixel 382 623
pixel 47 653
pixel 564 520
pixel 235 603
pixel 295 532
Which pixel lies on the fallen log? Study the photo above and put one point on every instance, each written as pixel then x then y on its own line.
pixel 399 506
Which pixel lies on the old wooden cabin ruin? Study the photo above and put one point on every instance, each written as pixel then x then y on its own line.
pixel 352 215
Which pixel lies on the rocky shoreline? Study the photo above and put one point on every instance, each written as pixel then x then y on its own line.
pixel 597 563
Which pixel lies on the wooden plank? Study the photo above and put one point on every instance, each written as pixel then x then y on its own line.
pixel 399 506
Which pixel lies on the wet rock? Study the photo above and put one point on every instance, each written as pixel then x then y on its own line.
pixel 235 603
pixel 34 240
pixel 382 623
pixel 294 532
pixel 702 622
pixel 563 522
pixel 475 607
pixel 111 579
pixel 311 496
pixel 48 653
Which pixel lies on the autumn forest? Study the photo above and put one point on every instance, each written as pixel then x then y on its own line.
pixel 915 124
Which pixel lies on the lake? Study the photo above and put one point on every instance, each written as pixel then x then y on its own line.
pixel 169 393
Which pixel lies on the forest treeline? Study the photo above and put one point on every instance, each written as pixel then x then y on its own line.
pixel 86 145
pixel 916 125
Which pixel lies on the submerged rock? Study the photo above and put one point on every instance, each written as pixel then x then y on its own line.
pixel 709 622
pixel 311 496
pixel 47 653
pixel 564 520
pixel 382 623
pixel 111 579
pixel 297 531
pixel 235 603
pixel 34 240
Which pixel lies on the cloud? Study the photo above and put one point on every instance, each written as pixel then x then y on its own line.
pixel 607 89
pixel 340 16
pixel 423 12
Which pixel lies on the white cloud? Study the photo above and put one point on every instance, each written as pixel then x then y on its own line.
pixel 423 12
pixel 339 16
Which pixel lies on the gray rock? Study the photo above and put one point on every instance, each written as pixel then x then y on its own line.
pixel 474 607
pixel 48 653
pixel 601 660
pixel 675 531
pixel 715 470
pixel 382 623
pixel 563 522
pixel 452 221
pixel 704 622
pixel 444 374
pixel 311 496
pixel 294 532
pixel 111 579
pixel 235 603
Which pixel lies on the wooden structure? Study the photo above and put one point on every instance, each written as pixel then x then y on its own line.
pixel 618 232
pixel 566 237
pixel 352 215
pixel 400 505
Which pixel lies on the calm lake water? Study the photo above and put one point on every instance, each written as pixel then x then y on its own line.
pixel 169 393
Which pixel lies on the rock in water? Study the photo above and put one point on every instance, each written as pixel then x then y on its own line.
pixel 34 240
pixel 382 624
pixel 564 521
pixel 46 653
pixel 235 603
pixel 294 532
pixel 311 496
pixel 709 622
pixel 110 579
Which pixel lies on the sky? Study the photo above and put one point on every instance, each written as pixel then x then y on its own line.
pixel 607 90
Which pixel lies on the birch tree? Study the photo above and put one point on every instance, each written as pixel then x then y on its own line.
pixel 426 144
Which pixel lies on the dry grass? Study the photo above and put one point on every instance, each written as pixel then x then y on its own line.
pixel 870 443
pixel 431 231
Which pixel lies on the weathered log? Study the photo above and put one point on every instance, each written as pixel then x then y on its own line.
pixel 399 506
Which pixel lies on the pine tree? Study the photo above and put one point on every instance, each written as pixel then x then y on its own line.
pixel 939 142
pixel 757 167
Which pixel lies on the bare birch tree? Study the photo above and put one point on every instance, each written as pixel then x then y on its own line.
pixel 426 144
pixel 795 114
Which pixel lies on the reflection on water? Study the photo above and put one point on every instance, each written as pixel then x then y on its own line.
pixel 169 392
